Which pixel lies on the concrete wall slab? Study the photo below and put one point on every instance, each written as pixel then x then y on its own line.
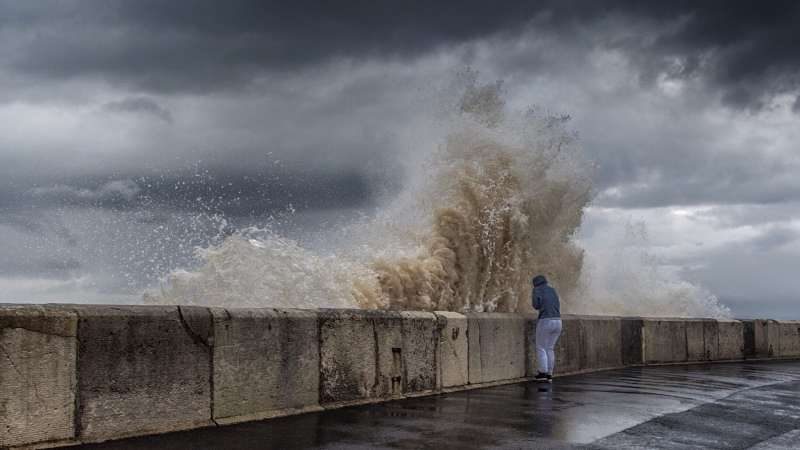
pixel 141 370
pixel 602 343
pixel 711 332
pixel 376 354
pixel 664 340
pixel 789 345
pixel 348 348
pixel 570 346
pixel 388 329
pixel 730 340
pixel 696 348
pixel 266 361
pixel 37 374
pixel 530 345
pixel 766 334
pixel 110 372
pixel 632 344
pixel 420 340
pixel 497 349
pixel 453 349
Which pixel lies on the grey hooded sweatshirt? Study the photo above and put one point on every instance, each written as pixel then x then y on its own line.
pixel 545 299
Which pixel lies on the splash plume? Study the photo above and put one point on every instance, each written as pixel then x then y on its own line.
pixel 499 200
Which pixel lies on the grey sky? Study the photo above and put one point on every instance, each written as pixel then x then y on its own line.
pixel 155 111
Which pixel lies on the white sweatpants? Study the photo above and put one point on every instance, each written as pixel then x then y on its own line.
pixel 547 333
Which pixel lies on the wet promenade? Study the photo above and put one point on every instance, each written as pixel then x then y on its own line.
pixel 730 405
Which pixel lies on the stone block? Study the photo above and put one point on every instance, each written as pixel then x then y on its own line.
pixel 348 349
pixel 497 348
pixel 749 330
pixel 696 343
pixel 632 345
pixel 37 375
pixel 530 345
pixel 388 330
pixel 570 345
pixel 789 344
pixel 453 354
pixel 602 343
pixel 664 340
pixel 142 370
pixel 711 332
pixel 474 350
pixel 374 354
pixel 730 340
pixel 266 362
pixel 420 335
pixel 766 336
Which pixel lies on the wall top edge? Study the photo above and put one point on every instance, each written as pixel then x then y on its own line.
pixel 60 308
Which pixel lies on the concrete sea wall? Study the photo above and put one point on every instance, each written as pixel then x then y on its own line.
pixel 91 373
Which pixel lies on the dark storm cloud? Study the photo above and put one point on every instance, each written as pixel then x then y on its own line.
pixel 233 194
pixel 27 221
pixel 41 267
pixel 139 105
pixel 747 49
pixel 254 194
pixel 207 45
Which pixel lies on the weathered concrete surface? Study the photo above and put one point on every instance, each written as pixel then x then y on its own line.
pixel 632 345
pixel 697 346
pixel 789 344
pixel 145 370
pixel 602 343
pixel 664 340
pixel 766 338
pixel 142 370
pixel 388 331
pixel 569 348
pixel 37 374
pixel 420 336
pixel 266 362
pixel 375 354
pixel 711 338
pixel 530 345
pixel 348 350
pixel 496 347
pixel 453 349
pixel 730 340
pixel 748 329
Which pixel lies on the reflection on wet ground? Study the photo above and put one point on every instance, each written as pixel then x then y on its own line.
pixel 735 405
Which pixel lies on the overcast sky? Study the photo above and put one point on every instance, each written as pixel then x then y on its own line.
pixel 122 119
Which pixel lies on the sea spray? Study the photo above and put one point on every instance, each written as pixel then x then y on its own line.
pixel 500 214
pixel 624 277
pixel 257 267
pixel 498 201
pixel 501 199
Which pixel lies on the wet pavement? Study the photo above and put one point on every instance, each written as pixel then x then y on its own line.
pixel 735 405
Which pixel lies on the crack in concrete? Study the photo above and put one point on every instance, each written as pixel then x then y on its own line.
pixel 193 334
pixel 30 330
pixel 22 376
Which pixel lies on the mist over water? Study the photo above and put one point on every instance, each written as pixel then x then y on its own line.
pixel 622 276
pixel 500 199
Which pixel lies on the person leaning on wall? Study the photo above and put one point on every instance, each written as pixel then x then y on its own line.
pixel 548 327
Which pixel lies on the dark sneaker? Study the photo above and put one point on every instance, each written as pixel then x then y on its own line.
pixel 549 378
pixel 541 376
